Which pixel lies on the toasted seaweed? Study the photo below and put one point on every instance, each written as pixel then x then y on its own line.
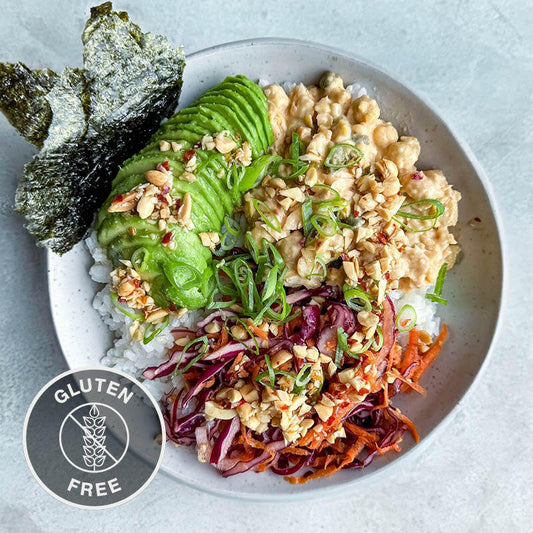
pixel 95 118
pixel 23 99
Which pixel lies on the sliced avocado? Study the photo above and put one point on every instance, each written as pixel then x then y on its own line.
pixel 213 165
pixel 257 106
pixel 242 108
pixel 183 274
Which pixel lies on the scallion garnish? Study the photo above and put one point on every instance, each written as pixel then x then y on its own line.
pixel 439 284
pixel 307 214
pixel 139 258
pixel 438 210
pixel 262 375
pixel 343 348
pixel 151 331
pixel 259 205
pixel 322 263
pixel 343 155
pixel 248 330
pixel 205 341
pixel 133 316
pixel 271 374
pixel 302 379
pixel 357 299
pixel 406 323
pixel 242 284
pixel 326 226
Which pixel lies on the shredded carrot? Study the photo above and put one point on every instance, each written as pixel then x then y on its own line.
pixel 385 398
pixel 295 451
pixel 236 361
pixel 408 383
pixel 222 340
pixel 431 354
pixel 385 449
pixel 411 352
pixel 360 432
pixel 408 422
pixel 348 458
pixel 257 331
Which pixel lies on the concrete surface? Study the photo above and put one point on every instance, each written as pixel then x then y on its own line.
pixel 474 60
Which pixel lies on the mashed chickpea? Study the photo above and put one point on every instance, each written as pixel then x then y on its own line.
pixel 366 230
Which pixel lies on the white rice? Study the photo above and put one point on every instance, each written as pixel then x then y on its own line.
pixel 426 311
pixel 129 355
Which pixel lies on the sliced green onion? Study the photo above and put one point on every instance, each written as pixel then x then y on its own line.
pixel 232 226
pixel 439 210
pixel 301 168
pixel 139 258
pixel 151 331
pixel 357 299
pixel 437 299
pixel 262 375
pixel 411 320
pixel 343 155
pixel 255 173
pixel 343 348
pixel 322 263
pixel 302 379
pixel 133 316
pixel 200 354
pixel 440 279
pixel 271 374
pixel 409 228
pixel 439 284
pixel 270 283
pixel 321 222
pixel 307 214
pixel 259 204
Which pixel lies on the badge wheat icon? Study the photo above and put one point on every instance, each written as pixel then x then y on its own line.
pixel 90 437
pixel 94 450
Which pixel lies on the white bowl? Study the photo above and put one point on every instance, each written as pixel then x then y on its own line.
pixel 473 287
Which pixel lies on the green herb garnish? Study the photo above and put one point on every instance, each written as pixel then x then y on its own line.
pixel 343 155
pixel 439 284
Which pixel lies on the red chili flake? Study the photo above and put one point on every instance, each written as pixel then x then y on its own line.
pixel 417 176
pixel 387 275
pixel 187 156
pixel 172 307
pixel 382 238
pixel 121 300
pixel 136 282
pixel 118 198
pixel 477 219
pixel 162 199
pixel 164 164
pixel 167 238
pixel 356 213
pixel 165 189
pixel 344 257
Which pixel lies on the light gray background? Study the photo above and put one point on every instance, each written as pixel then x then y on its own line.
pixel 474 61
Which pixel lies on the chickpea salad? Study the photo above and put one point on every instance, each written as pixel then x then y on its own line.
pixel 274 261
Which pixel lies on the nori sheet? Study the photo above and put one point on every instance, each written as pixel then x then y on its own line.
pixel 91 120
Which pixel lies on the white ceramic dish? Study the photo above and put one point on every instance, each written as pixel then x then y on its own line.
pixel 474 286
